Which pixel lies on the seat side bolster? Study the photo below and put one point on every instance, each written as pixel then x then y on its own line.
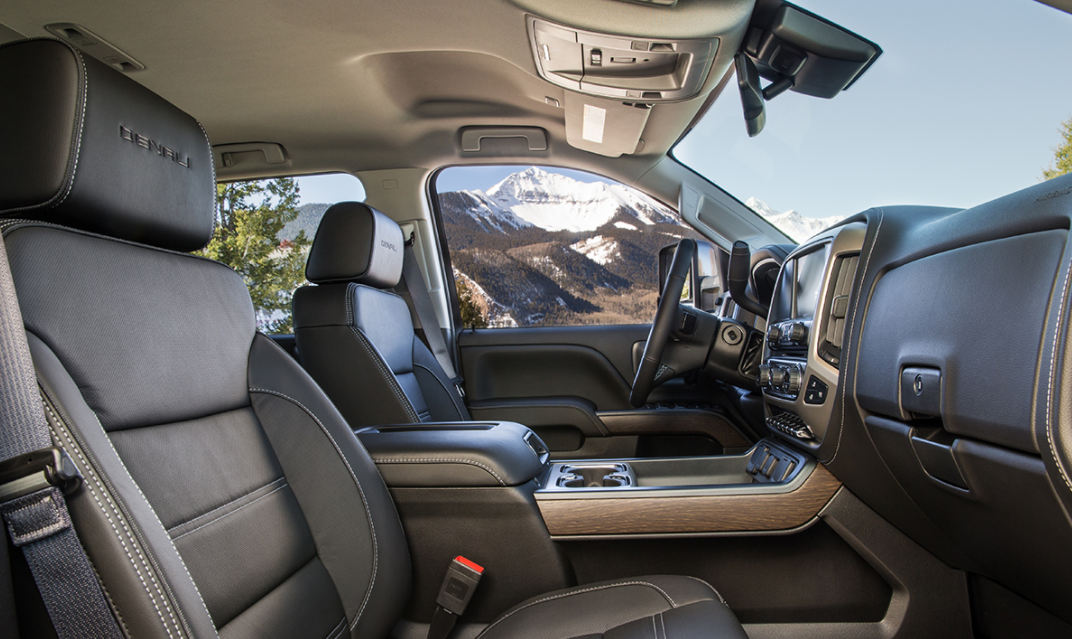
pixel 278 383
pixel 141 571
pixel 444 402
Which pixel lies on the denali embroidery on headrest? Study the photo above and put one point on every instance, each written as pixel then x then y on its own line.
pixel 152 145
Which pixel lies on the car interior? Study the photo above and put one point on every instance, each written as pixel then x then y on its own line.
pixel 845 436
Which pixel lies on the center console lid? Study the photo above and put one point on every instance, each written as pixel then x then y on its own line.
pixel 462 454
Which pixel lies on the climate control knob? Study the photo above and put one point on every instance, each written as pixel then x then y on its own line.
pixel 797 332
pixel 774 333
pixel 764 375
pixel 792 379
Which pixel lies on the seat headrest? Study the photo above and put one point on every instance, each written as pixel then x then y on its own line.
pixel 356 243
pixel 84 146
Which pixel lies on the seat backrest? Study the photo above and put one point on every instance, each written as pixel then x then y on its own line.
pixel 356 337
pixel 224 493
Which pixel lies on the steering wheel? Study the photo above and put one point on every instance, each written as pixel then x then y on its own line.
pixel 652 370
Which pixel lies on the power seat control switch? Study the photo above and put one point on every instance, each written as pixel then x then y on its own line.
pixel 815 391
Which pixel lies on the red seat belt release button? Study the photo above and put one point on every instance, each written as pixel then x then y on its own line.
pixel 460 582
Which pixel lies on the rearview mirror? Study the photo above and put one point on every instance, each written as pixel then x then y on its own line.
pixel 703 285
pixel 797 51
pixel 755 115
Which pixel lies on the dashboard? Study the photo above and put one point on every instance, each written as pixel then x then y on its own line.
pixel 920 354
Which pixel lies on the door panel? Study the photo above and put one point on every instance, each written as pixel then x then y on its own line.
pixel 612 344
pixel 579 374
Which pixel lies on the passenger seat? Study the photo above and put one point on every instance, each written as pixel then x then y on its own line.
pixel 355 336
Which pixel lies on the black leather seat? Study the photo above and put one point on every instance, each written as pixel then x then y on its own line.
pixel 356 336
pixel 224 494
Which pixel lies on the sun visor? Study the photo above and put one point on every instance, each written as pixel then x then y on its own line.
pixel 606 127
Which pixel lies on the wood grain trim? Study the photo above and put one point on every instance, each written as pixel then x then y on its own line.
pixel 675 422
pixel 704 513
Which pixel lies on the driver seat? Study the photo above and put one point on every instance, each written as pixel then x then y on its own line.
pixel 355 335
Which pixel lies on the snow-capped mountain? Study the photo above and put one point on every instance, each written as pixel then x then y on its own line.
pixel 792 223
pixel 541 248
pixel 556 202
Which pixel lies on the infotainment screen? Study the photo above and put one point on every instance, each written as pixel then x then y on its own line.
pixel 798 287
pixel 809 274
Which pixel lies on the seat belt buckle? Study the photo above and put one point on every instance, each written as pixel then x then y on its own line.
pixel 31 472
pixel 459 385
pixel 459 584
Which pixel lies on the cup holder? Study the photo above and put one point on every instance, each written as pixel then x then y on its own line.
pixel 601 476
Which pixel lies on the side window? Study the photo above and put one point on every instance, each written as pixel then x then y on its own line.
pixel 541 246
pixel 264 229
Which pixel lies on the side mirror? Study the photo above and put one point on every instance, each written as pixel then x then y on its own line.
pixel 703 286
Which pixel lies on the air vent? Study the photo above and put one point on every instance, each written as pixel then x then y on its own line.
pixel 94 45
pixel 753 355
pixel 837 309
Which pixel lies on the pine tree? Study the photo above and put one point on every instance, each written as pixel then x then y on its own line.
pixel 1062 155
pixel 249 218
pixel 472 316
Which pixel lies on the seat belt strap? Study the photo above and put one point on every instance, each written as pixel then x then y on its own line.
pixel 426 315
pixel 32 474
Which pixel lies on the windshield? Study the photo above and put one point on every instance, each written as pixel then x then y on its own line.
pixel 965 104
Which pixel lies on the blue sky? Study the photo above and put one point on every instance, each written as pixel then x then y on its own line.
pixel 963 106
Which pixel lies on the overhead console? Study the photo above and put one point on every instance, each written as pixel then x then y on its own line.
pixel 805 331
pixel 622 68
pixel 614 80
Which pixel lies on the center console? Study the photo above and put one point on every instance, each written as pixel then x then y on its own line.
pixel 490 492
pixel 772 488
pixel 805 329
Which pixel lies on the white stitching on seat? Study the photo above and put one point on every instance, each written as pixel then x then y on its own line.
pixel 406 460
pixel 137 533
pixel 717 593
pixel 337 629
pixel 360 490
pixel 595 422
pixel 389 375
pixel 228 514
pixel 77 151
pixel 577 592
pixel 156 517
pixel 856 307
pixel 211 157
pixel 662 622
pixel 81 125
pixel 205 514
pixel 90 473
pixel 1053 366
